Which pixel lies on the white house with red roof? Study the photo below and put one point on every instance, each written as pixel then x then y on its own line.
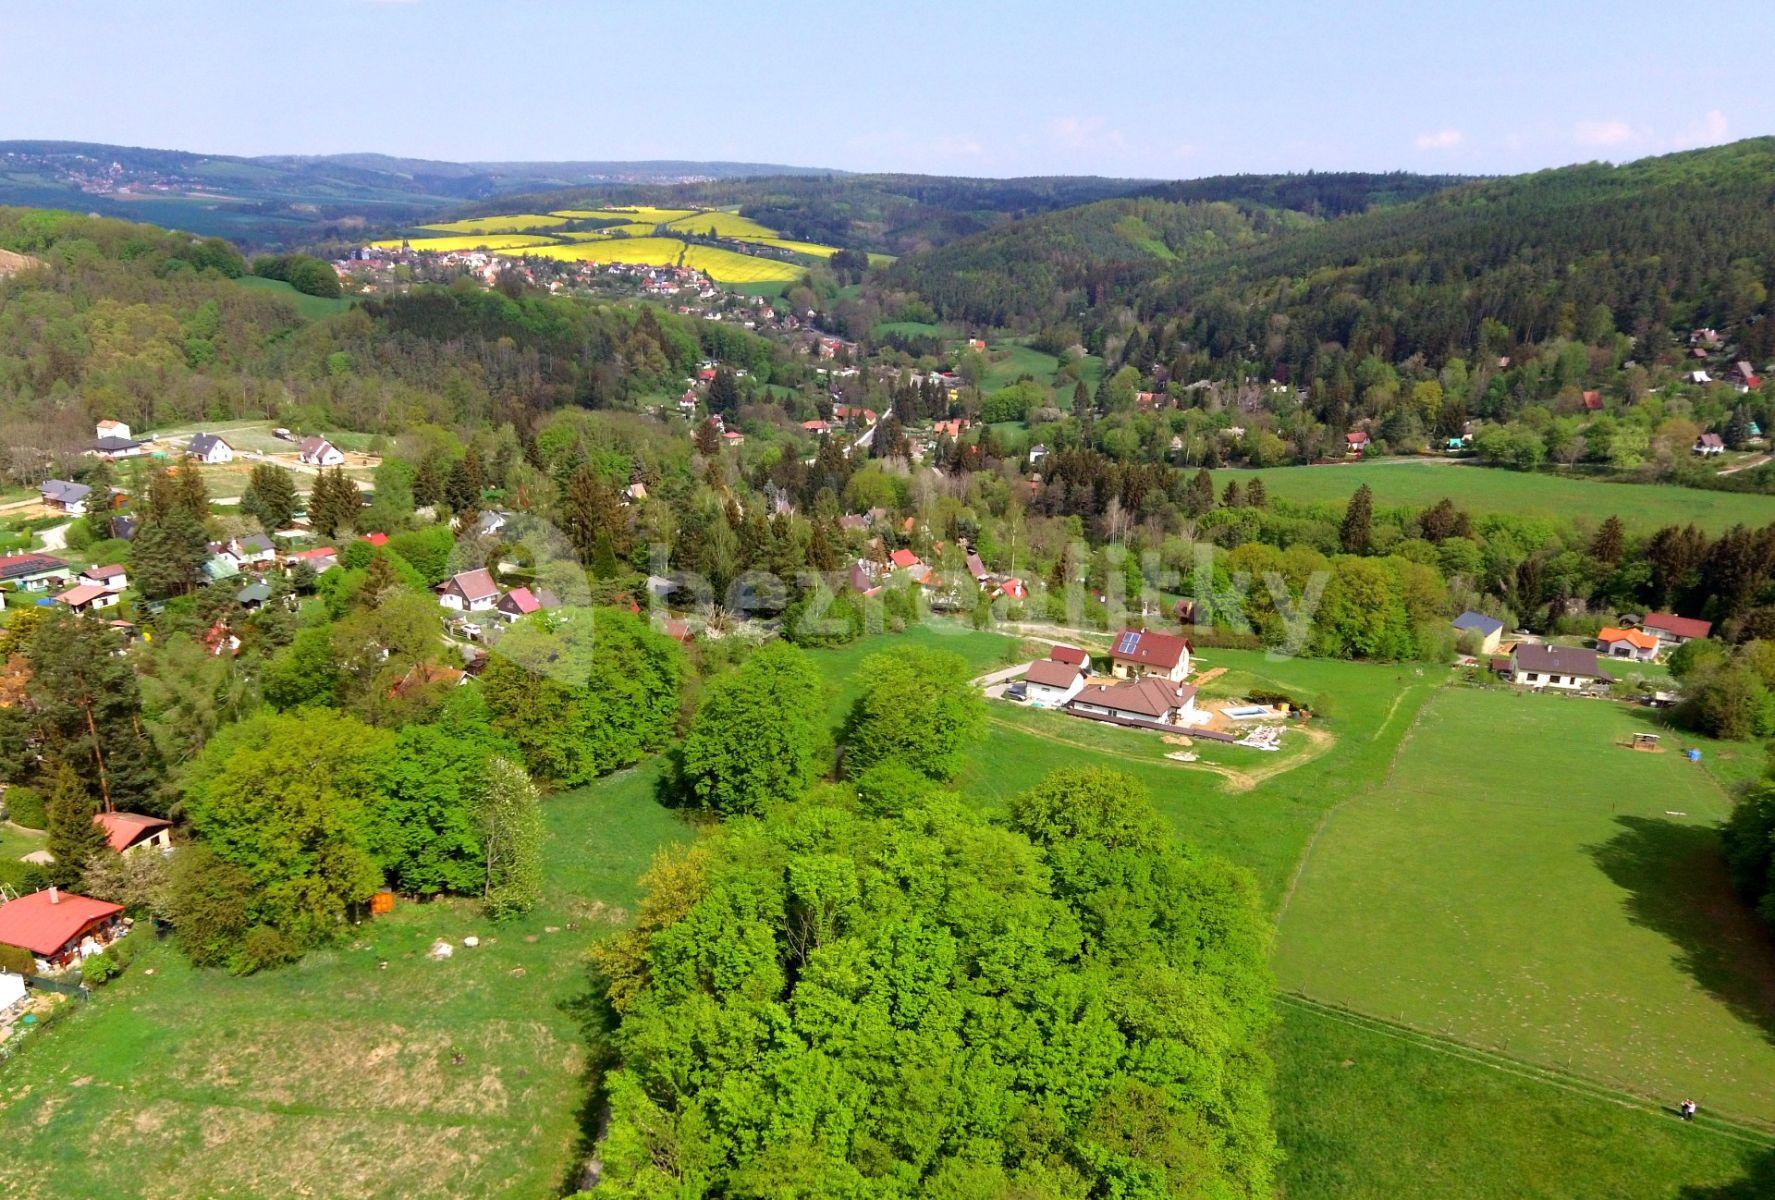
pixel 1149 701
pixel 87 597
pixel 1672 630
pixel 1139 653
pixel 521 602
pixel 127 833
pixel 469 591
pixel 319 452
pixel 1050 684
pixel 112 577
pixel 1356 441
pixel 60 928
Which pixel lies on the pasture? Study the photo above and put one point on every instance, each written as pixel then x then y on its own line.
pixel 501 223
pixel 1518 882
pixel 1418 483
pixel 367 1071
pixel 311 307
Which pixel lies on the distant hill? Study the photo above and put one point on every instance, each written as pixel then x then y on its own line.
pixel 1317 193
pixel 287 199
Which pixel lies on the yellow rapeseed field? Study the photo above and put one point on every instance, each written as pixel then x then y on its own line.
pixel 504 223
pixel 496 241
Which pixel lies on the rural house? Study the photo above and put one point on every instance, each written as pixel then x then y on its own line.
pixel 1635 644
pixel 1356 442
pixel 1672 630
pixel 127 833
pixel 469 591
pixel 1538 665
pixel 1071 655
pixel 1710 444
pixel 64 496
pixel 59 928
pixel 1050 684
pixel 209 448
pixel 318 452
pixel 31 572
pixel 112 429
pixel 87 597
pixel 112 577
pixel 1485 630
pixel 1138 653
pixel 1152 701
pixel 521 602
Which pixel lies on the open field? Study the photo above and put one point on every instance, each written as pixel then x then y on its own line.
pixel 467 241
pixel 1520 883
pixel 311 307
pixel 504 223
pixel 725 266
pixel 724 224
pixel 632 229
pixel 1419 483
pixel 1366 1112
pixel 337 1077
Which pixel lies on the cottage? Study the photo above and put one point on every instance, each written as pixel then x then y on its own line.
pixel 1570 668
pixel 1138 653
pixel 1149 701
pixel 31 572
pixel 1635 644
pixel 1672 630
pixel 469 591
pixel 1593 401
pixel 253 595
pixel 59 928
pixel 1050 684
pixel 1709 444
pixel 64 496
pixel 1072 656
pixel 209 448
pixel 977 568
pixel 521 602
pixel 128 833
pixel 113 448
pixel 905 560
pixel 319 452
pixel 1356 442
pixel 1486 631
pixel 87 597
pixel 321 559
pixel 253 550
pixel 113 577
pixel 112 429
pixel 426 675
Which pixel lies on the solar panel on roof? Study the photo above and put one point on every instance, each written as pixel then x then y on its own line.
pixel 1128 642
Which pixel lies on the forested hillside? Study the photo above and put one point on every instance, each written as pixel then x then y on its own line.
pixel 1319 193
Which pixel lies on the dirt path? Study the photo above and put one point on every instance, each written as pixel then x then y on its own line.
pixel 1746 465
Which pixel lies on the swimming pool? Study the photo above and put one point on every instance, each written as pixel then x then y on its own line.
pixel 1245 712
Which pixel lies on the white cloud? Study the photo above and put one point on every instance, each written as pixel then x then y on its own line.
pixel 1605 133
pixel 1441 139
pixel 1080 133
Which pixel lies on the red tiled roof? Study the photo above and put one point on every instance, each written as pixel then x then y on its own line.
pixel 1149 649
pixel 1688 627
pixel 124 830
pixel 471 585
pixel 904 558
pixel 1147 698
pixel 1637 638
pixel 520 599
pixel 1052 674
pixel 1069 654
pixel 43 927
pixel 86 593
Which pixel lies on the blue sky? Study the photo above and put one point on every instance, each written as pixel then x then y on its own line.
pixel 1165 90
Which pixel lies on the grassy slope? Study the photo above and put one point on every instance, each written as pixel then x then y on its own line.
pixel 1523 884
pixel 1486 490
pixel 335 1077
pixel 312 307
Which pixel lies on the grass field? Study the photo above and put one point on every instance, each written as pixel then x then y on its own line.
pixel 1520 883
pixel 466 241
pixel 1419 483
pixel 504 223
pixel 338 1077
pixel 15 842
pixel 311 307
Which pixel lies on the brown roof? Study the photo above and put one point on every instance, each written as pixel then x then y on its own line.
pixel 1146 698
pixel 1558 660
pixel 1069 654
pixel 1049 673
pixel 1688 627
pixel 1149 649
pixel 471 585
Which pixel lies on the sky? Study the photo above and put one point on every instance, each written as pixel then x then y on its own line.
pixel 1136 89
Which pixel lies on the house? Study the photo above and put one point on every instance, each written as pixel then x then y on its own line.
pixel 1051 684
pixel 521 602
pixel 1636 644
pixel 218 639
pixel 64 496
pixel 253 595
pixel 424 675
pixel 1487 630
pixel 1709 444
pixel 1072 656
pixel 318 452
pixel 60 928
pixel 209 448
pixel 128 833
pixel 905 560
pixel 1356 442
pixel 733 438
pixel 491 522
pixel 469 591
pixel 253 550
pixel 1593 401
pixel 31 572
pixel 1540 665
pixel 1699 377
pixel 952 429
pixel 321 558
pixel 113 448
pixel 220 566
pixel 1138 653
pixel 123 528
pixel 112 429
pixel 1673 630
pixel 1745 375
pixel 113 578
pixel 1149 701
pixel 87 597
pixel 1037 452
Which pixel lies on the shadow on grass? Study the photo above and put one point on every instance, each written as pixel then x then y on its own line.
pixel 591 1011
pixel 1758 1183
pixel 1677 883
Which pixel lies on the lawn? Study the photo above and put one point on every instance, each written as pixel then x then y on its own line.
pixel 1521 883
pixel 15 842
pixel 1368 1113
pixel 1418 483
pixel 1010 361
pixel 339 1077
pixel 311 307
